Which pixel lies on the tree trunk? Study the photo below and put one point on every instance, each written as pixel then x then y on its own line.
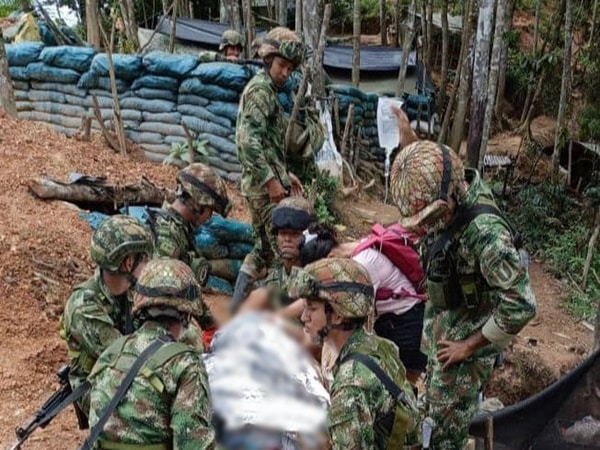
pixel 500 29
pixel 166 6
pixel 356 44
pixel 531 84
pixel 7 95
pixel 233 17
pixel 445 56
pixel 92 21
pixel 409 35
pixel 481 64
pixel 397 14
pixel 593 25
pixel 382 27
pixel 312 16
pixel 282 12
pixel 498 112
pixel 590 250
pixel 464 87
pixel 429 28
pixel 131 29
pixel 298 18
pixel 173 30
pixel 565 88
pixel 317 66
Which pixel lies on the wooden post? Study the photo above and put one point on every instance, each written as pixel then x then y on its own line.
pixel 489 433
pixel 356 45
pixel 347 131
pixel 7 95
pixel 173 27
pixel 317 68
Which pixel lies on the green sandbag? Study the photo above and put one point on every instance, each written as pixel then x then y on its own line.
pixel 225 268
pixel 228 230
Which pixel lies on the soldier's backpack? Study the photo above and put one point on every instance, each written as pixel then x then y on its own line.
pixel 398 245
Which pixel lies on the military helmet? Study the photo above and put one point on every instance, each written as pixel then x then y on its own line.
pixel 283 42
pixel 233 38
pixel 205 187
pixel 167 283
pixel 422 177
pixel 117 237
pixel 295 213
pixel 341 282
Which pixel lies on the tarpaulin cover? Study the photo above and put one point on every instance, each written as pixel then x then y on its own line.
pixel 555 419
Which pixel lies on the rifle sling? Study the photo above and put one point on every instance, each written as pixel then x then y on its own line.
pixel 123 388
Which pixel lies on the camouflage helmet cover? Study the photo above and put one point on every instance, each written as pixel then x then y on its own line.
pixel 233 38
pixel 283 42
pixel 117 237
pixel 295 213
pixel 422 177
pixel 205 187
pixel 341 282
pixel 170 283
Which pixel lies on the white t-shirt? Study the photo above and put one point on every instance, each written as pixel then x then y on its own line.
pixel 385 274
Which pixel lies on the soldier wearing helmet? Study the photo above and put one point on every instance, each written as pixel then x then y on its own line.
pixel 260 135
pixel 168 403
pixel 364 413
pixel 479 294
pixel 231 48
pixel 99 310
pixel 200 192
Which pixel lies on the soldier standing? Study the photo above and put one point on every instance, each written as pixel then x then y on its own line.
pixel 260 136
pixel 372 403
pixel 167 405
pixel 479 295
pixel 99 311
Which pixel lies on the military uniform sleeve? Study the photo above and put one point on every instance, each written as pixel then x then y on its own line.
pixel 349 419
pixel 191 411
pixel 501 267
pixel 168 242
pixel 252 124
pixel 208 56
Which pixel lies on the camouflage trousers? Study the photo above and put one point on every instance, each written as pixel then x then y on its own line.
pixel 452 396
pixel 261 258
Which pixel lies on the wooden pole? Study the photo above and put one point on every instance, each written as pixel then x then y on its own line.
pixel 356 45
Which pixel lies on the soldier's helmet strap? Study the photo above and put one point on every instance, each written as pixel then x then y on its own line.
pixel 346 286
pixel 446 173
pixel 220 201
pixel 189 292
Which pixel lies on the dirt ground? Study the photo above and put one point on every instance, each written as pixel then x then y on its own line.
pixel 43 253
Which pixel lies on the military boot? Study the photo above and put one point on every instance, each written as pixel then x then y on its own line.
pixel 243 286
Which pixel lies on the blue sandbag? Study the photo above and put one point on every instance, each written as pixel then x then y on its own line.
pixel 127 67
pixel 229 230
pixel 20 85
pixel 163 63
pixel 46 34
pixel 224 74
pixel 69 57
pixel 166 129
pixel 94 218
pixel 18 73
pixel 23 54
pixel 211 92
pixel 89 80
pixel 223 145
pixel 191 99
pixel 156 94
pixel 214 251
pixel 144 137
pixel 239 250
pixel 286 101
pixel 349 91
pixel 173 118
pixel 222 109
pixel 47 96
pixel 204 126
pixel 216 285
pixel 21 95
pixel 204 114
pixel 142 104
pixel 156 82
pixel 42 72
pixel 59 87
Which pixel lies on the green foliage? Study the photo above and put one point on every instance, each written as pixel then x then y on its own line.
pixel 526 5
pixel 326 190
pixel 9 6
pixel 589 123
pixel 180 156
pixel 555 229
pixel 342 10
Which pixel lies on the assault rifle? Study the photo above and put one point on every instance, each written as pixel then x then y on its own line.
pixel 62 398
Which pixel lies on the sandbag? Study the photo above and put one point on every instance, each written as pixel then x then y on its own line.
pixel 229 230
pixel 18 73
pixel 220 143
pixel 191 99
pixel 286 102
pixel 175 140
pixel 20 85
pixel 127 67
pixel 145 105
pixel 59 87
pixel 21 95
pixel 233 177
pixel 239 250
pixel 211 92
pixel 156 82
pixel 208 245
pixel 168 118
pixel 144 137
pixel 91 81
pixel 156 94
pixel 23 105
pixel 215 161
pixel 56 119
pixel 20 55
pixel 68 57
pixel 224 74
pixel 58 108
pixel 204 114
pixel 222 109
pixel 216 285
pixel 42 72
pixel 47 96
pixel 225 268
pixel 204 126
pixel 131 115
pixel 163 63
pixel 348 91
pixel 161 150
pixel 165 129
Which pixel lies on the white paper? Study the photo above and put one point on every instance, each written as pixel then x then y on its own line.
pixel 387 124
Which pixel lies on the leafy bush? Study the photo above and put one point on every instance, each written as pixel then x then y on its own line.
pixel 589 123
pixel 179 154
pixel 9 6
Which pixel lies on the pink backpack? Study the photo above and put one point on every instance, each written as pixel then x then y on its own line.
pixel 398 245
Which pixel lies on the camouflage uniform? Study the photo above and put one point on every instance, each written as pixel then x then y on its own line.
pixel 484 251
pixel 93 318
pixel 228 38
pixel 168 404
pixel 363 414
pixel 279 281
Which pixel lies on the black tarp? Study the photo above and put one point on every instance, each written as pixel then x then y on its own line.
pixel 372 58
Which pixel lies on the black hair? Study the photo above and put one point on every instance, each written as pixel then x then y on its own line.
pixel 320 246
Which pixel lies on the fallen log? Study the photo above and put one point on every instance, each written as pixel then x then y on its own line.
pixel 144 192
